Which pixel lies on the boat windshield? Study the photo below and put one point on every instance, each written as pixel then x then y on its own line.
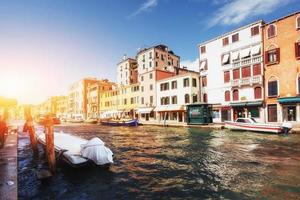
pixel 253 120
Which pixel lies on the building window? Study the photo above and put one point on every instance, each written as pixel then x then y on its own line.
pixel 150 76
pixel 225 41
pixel 156 64
pixel 204 81
pixel 142 100
pixel 150 55
pixel 156 55
pixel 174 99
pixel 257 93
pixel 272 88
pixel 225 59
pixel 203 65
pixel 297 48
pixel 174 84
pixel 164 86
pixel 227 95
pixel 162 57
pixel 235 95
pixel 272 113
pixel 150 64
pixel 235 37
pixel 203 49
pixel 271 31
pixel 246 72
pixel 205 98
pixel 187 98
pixel 254 30
pixel 253 112
pixel 272 56
pixel 194 82
pixel 298 22
pixel 151 99
pixel 236 74
pixel 256 69
pixel 298 84
pixel 142 88
pixel 142 78
pixel 186 82
pixel 151 87
pixel 226 77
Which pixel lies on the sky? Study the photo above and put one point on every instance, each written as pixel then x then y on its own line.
pixel 46 45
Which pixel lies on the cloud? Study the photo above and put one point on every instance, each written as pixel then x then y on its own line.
pixel 191 65
pixel 146 6
pixel 235 11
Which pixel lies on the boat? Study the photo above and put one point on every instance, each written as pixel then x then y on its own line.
pixel 77 151
pixel 250 124
pixel 131 122
pixel 91 121
pixel 76 118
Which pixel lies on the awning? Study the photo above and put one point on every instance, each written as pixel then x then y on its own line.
pixel 245 104
pixel 202 66
pixel 145 110
pixel 225 58
pixel 169 108
pixel 245 53
pixel 285 100
pixel 235 55
pixel 255 50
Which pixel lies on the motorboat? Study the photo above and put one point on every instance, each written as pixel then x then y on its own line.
pixel 91 121
pixel 76 118
pixel 111 122
pixel 250 124
pixel 77 151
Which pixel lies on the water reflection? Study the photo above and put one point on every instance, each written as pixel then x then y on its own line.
pixel 156 163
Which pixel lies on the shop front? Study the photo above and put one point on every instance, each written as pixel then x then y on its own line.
pixel 199 114
pixel 290 107
pixel 252 109
pixel 171 114
pixel 146 114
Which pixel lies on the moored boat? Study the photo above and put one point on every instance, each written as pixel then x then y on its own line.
pixel 77 151
pixel 132 122
pixel 249 124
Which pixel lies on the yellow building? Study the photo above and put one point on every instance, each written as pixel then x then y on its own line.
pixel 120 102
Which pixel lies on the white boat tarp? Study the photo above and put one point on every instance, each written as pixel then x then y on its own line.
pixel 97 152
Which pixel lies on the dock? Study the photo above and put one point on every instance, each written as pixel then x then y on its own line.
pixel 8 168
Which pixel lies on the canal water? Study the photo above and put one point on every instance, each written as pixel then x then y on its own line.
pixel 171 163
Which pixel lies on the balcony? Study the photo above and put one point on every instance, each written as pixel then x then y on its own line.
pixel 247 81
pixel 247 61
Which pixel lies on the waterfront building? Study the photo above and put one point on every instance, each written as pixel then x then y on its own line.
pixel 154 63
pixel 231 70
pixel 282 68
pixel 127 71
pixel 94 91
pixel 174 93
pixel 77 97
pixel 61 106
pixel 120 102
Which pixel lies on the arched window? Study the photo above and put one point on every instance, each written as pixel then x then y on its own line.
pixel 257 93
pixel 298 22
pixel 227 95
pixel 235 95
pixel 272 87
pixel 205 98
pixel 187 98
pixel 271 31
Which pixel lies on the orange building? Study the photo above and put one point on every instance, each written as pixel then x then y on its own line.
pixel 281 40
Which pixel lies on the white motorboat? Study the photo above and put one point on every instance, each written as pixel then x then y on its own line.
pixel 77 151
pixel 250 124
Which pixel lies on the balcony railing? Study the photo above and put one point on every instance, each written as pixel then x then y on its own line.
pixel 247 81
pixel 247 61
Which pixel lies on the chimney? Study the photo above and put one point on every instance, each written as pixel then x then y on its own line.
pixel 124 57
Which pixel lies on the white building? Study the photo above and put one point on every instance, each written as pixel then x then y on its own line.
pixel 173 93
pixel 231 69
pixel 127 71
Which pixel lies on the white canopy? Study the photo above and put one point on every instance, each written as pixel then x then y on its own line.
pixel 235 55
pixel 245 53
pixel 170 108
pixel 145 110
pixel 225 58
pixel 202 65
pixel 255 50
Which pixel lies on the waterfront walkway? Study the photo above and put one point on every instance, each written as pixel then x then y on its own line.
pixel 8 168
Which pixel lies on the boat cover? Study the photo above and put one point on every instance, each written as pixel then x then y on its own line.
pixel 97 152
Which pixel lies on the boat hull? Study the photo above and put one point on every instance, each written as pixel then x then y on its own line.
pixel 265 128
pixel 133 122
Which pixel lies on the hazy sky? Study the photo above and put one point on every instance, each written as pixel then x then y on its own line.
pixel 45 45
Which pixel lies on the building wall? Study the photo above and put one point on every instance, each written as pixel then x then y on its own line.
pixel 126 72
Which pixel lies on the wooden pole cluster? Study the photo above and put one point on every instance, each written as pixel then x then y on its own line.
pixel 29 127
pixel 50 151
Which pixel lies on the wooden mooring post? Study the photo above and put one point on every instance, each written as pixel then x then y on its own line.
pixel 50 151
pixel 29 127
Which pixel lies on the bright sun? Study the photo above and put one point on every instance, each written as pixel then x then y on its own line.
pixel 11 85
